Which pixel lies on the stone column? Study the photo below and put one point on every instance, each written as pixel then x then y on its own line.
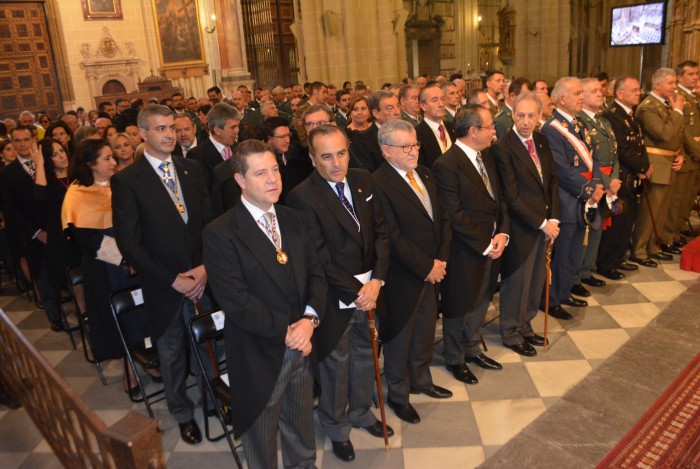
pixel 231 40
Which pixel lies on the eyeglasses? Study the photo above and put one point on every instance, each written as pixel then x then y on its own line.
pixel 406 148
pixel 490 127
pixel 281 137
pixel 313 125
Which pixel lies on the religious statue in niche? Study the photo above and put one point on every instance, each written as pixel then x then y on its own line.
pixel 506 28
pixel 422 10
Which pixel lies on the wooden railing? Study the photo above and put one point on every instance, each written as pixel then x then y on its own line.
pixel 78 437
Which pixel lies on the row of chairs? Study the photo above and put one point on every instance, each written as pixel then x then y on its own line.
pixel 205 329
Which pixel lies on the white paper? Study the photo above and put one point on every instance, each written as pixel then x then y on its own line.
pixel 218 318
pixel 137 296
pixel 363 278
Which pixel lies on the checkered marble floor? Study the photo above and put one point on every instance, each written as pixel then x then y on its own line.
pixel 459 432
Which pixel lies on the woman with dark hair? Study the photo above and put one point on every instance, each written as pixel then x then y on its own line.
pixel 87 219
pixel 50 185
pixel 43 119
pixel 7 153
pixel 109 132
pixel 61 132
pixel 123 150
pixel 359 116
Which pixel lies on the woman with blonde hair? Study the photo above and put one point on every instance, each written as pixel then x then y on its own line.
pixel 123 150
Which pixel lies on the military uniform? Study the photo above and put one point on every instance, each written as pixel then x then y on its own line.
pixel 691 147
pixel 662 127
pixel 494 108
pixel 503 121
pixel 601 138
pixel 633 160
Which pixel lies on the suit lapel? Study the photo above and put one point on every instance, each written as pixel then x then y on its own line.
pixel 395 179
pixel 470 171
pixel 335 206
pixel 361 195
pixel 154 186
pixel 524 155
pixel 261 247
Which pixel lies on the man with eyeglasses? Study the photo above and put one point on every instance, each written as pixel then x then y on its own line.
pixel 434 134
pixel 365 152
pixel 470 193
pixel 294 165
pixel 420 245
pixel 347 226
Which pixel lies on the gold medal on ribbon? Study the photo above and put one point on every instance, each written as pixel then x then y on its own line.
pixel 282 257
pixel 181 209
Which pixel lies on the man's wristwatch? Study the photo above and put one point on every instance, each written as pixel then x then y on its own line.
pixel 313 319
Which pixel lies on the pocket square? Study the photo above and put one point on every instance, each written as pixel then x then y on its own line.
pixel 369 198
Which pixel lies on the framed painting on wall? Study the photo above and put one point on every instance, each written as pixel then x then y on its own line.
pixel 179 33
pixel 102 10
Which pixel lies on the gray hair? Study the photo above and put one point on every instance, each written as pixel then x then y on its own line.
pixel 144 118
pixel 531 97
pixel 661 74
pixel 220 114
pixel 386 131
pixel 560 87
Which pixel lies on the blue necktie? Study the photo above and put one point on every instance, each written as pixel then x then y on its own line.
pixel 340 187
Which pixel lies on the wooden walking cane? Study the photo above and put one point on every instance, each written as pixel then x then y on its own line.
pixel 547 283
pixel 374 335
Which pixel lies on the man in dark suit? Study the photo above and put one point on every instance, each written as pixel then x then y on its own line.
pixel 580 190
pixel 530 188
pixel 434 134
pixel 341 115
pixel 634 168
pixel 347 226
pixel 294 162
pixel 504 119
pixel 185 133
pixel 249 115
pixel 223 121
pixel 420 243
pixel 265 275
pixel 160 208
pixel 26 218
pixel 410 104
pixel 470 193
pixel 365 150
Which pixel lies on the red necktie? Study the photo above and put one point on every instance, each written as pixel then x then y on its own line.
pixel 531 149
pixel 441 129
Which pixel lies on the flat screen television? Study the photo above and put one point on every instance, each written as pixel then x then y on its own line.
pixel 638 25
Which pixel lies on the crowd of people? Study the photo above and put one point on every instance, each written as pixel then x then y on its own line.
pixel 299 210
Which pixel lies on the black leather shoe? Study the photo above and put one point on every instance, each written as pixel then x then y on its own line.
pixel 523 348
pixel 662 256
pixel 645 262
pixel 613 274
pixel 405 412
pixel 57 326
pixel 679 243
pixel 579 290
pixel 462 373
pixel 560 313
pixel 343 450
pixel 376 429
pixel 484 362
pixel 534 339
pixel 670 249
pixel 627 266
pixel 189 432
pixel 593 282
pixel 225 412
pixel 575 303
pixel 436 392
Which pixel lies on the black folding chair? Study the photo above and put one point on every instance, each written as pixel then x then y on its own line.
pixel 75 278
pixel 208 328
pixel 125 303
